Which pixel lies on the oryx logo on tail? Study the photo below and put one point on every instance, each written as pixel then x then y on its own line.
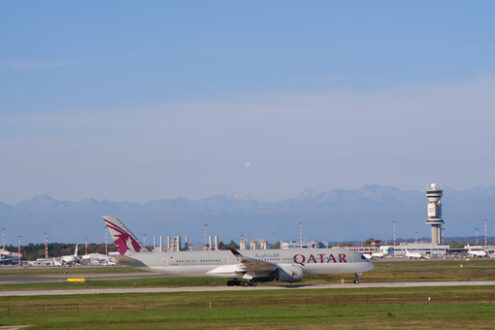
pixel 123 238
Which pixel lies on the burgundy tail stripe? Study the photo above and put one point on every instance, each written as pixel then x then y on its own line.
pixel 114 227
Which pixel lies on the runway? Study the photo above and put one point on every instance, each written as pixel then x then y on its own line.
pixel 227 288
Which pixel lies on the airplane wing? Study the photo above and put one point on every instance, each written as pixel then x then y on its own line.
pixel 252 265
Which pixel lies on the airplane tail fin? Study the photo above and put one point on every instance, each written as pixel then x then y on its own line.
pixel 124 239
pixel 75 251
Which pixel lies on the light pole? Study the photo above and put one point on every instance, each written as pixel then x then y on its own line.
pixel 19 248
pixel 395 224
pixel 206 239
pixel 106 241
pixel 301 234
pixel 486 237
pixel 46 245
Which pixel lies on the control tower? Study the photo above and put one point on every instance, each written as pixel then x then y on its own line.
pixel 434 212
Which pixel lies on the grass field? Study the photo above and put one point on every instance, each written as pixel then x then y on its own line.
pixel 448 307
pixel 124 283
pixel 12 271
pixel 432 270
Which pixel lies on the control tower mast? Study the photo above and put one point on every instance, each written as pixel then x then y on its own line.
pixel 434 212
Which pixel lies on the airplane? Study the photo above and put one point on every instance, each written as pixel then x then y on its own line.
pixel 45 262
pixel 246 268
pixel 98 259
pixel 8 258
pixel 375 255
pixel 412 255
pixel 368 256
pixel 71 259
pixel 476 253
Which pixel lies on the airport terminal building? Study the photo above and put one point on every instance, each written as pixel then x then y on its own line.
pixel 425 249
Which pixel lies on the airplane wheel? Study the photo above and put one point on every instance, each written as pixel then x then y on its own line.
pixel 356 281
pixel 252 283
pixel 244 283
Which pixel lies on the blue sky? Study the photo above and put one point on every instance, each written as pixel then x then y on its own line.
pixel 139 101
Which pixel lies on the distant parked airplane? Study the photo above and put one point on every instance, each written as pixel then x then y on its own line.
pixel 71 259
pixel 477 252
pixel 98 259
pixel 8 258
pixel 413 255
pixel 252 266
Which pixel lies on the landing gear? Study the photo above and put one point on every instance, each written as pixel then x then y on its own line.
pixel 233 283
pixel 356 278
pixel 243 283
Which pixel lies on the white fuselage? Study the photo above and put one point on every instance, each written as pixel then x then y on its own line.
pixel 68 259
pixel 98 259
pixel 477 253
pixel 225 264
pixel 412 255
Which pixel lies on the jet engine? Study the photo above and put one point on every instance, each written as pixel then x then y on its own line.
pixel 289 273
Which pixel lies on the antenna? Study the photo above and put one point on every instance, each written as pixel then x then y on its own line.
pixel 86 243
pixel 416 236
